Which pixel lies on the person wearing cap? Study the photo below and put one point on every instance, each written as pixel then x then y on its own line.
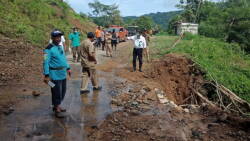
pixel 62 43
pixel 55 69
pixel 74 41
pixel 88 62
pixel 139 45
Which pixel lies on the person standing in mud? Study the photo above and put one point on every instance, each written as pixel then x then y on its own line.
pixel 108 44
pixel 98 34
pixel 139 45
pixel 55 70
pixel 88 62
pixel 114 40
pixel 103 41
pixel 74 41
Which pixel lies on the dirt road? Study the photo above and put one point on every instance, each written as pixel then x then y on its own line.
pixel 132 106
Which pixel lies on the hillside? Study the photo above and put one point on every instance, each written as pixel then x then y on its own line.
pixel 32 20
pixel 25 27
pixel 160 18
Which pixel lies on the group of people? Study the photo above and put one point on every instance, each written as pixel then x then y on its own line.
pixel 56 68
pixel 107 40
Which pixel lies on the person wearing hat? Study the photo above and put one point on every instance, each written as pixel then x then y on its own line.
pixel 74 41
pixel 88 62
pixel 139 45
pixel 55 70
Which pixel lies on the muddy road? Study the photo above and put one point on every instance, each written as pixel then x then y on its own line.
pixel 132 106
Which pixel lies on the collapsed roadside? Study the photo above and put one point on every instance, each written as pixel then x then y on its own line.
pixel 163 106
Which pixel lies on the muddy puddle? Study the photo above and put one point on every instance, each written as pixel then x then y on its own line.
pixel 33 118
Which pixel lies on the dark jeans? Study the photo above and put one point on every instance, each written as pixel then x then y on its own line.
pixel 113 44
pixel 58 92
pixel 137 52
pixel 99 41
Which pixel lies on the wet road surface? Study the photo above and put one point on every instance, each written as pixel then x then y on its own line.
pixel 33 119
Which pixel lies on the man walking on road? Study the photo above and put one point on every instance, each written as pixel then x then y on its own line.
pixel 114 40
pixel 139 45
pixel 55 70
pixel 108 44
pixel 88 62
pixel 74 41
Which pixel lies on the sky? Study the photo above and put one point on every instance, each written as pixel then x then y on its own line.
pixel 129 7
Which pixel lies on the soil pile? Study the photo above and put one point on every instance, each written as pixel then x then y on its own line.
pixel 143 116
pixel 178 76
pixel 18 61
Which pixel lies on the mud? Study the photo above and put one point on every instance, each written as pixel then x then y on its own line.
pixel 128 107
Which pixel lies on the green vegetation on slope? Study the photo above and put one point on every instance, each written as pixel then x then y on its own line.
pixel 226 64
pixel 32 20
pixel 160 18
pixel 227 20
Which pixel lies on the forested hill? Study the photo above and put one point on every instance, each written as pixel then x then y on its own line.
pixel 32 20
pixel 160 18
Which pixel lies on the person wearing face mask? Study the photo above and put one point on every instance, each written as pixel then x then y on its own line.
pixel 55 70
pixel 139 45
pixel 74 41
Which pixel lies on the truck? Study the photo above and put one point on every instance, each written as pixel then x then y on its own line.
pixel 132 30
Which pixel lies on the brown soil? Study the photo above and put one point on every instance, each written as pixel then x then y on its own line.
pixel 177 75
pixel 20 69
pixel 142 117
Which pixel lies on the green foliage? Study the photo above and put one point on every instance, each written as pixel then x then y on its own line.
pixel 144 22
pixel 160 18
pixel 228 20
pixel 223 62
pixel 105 15
pixel 33 20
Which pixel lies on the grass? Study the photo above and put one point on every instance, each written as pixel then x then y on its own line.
pixel 224 62
pixel 33 20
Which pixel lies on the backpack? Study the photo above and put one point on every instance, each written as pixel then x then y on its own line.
pixel 114 36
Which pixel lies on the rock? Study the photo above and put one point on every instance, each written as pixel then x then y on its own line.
pixel 128 131
pixel 35 93
pixel 8 111
pixel 212 125
pixel 135 103
pixel 135 112
pixel 186 110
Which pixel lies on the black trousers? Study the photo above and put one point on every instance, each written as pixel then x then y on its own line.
pixel 137 52
pixel 58 92
pixel 113 44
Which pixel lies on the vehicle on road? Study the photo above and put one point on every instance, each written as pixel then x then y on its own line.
pixel 132 30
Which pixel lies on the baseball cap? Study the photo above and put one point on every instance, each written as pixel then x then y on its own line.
pixel 56 33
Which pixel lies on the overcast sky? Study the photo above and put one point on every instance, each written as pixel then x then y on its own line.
pixel 129 7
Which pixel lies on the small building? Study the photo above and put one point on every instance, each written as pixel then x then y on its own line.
pixel 186 27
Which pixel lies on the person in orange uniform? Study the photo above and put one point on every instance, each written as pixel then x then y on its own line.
pixel 98 35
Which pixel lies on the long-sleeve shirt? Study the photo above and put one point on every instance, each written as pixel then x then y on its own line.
pixel 55 64
pixel 138 43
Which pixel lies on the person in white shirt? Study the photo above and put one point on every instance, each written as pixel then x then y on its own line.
pixel 139 45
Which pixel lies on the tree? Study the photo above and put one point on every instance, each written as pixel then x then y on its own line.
pixel 144 23
pixel 105 15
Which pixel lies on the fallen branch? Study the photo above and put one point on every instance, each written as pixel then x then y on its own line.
pixel 204 98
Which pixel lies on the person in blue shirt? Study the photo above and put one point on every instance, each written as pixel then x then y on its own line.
pixel 55 69
pixel 74 41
